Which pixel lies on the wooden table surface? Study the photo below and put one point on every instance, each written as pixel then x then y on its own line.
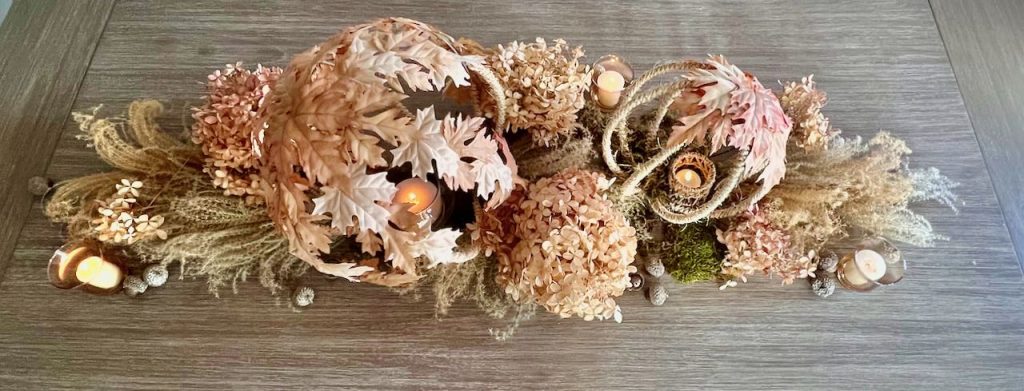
pixel 954 323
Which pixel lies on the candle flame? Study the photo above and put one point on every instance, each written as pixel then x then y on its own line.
pixel 98 272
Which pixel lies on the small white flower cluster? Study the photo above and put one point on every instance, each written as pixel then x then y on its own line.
pixel 118 223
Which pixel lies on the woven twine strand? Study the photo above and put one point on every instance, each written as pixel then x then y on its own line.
pixel 497 92
pixel 632 101
pixel 665 95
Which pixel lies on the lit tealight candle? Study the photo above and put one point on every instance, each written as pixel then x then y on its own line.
pixel 97 272
pixel 609 88
pixel 420 195
pixel 867 267
pixel 688 178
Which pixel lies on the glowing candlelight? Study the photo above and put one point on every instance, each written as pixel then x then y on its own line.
pixel 863 270
pixel 420 195
pixel 78 265
pixel 609 88
pixel 97 272
pixel 871 263
pixel 688 178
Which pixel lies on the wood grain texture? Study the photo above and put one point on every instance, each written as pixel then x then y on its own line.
pixel 954 324
pixel 45 48
pixel 985 42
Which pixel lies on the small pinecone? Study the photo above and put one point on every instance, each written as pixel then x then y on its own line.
pixel 654 266
pixel 636 282
pixel 38 185
pixel 657 294
pixel 824 285
pixel 303 297
pixel 134 286
pixel 828 261
pixel 155 275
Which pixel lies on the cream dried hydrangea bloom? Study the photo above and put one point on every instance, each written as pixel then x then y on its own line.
pixel 544 87
pixel 802 102
pixel 575 250
pixel 226 123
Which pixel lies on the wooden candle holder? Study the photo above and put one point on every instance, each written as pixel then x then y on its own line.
pixel 705 169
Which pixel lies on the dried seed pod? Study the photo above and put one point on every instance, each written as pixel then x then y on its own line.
pixel 636 282
pixel 303 297
pixel 657 294
pixel 155 275
pixel 38 185
pixel 134 286
pixel 824 285
pixel 654 266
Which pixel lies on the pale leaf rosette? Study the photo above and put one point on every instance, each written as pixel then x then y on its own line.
pixel 725 106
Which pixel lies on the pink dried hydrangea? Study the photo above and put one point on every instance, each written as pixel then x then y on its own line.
pixel 575 250
pixel 225 124
pixel 754 244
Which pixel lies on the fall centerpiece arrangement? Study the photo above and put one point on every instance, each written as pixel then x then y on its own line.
pixel 552 183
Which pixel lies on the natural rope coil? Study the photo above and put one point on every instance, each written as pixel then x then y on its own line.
pixel 633 98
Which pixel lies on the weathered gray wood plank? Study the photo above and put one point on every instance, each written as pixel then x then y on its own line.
pixel 45 48
pixel 954 324
pixel 985 41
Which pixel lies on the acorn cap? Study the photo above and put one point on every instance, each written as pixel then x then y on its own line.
pixel 38 185
pixel 155 275
pixel 824 285
pixel 134 286
pixel 657 294
pixel 303 297
pixel 655 267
